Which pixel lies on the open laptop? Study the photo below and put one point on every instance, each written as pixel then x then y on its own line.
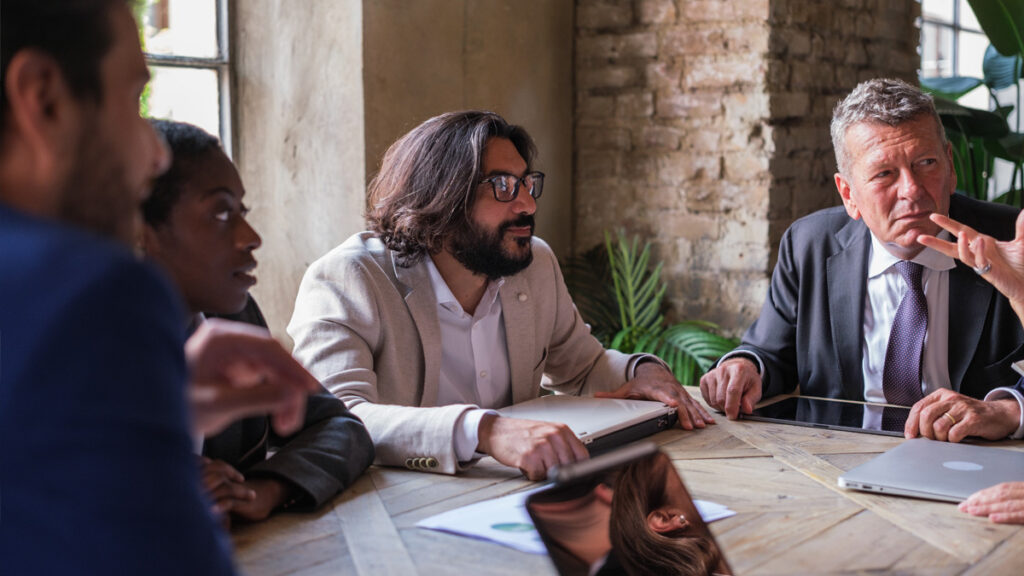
pixel 934 470
pixel 603 516
pixel 601 423
pixel 833 415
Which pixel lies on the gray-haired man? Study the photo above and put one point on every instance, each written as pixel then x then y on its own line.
pixel 858 309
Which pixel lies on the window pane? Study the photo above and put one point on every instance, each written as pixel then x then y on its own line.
pixel 936 51
pixel 187 95
pixel 940 10
pixel 971 55
pixel 181 27
pixel 967 18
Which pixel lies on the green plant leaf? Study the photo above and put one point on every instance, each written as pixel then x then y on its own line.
pixel 970 121
pixel 1000 71
pixel 951 88
pixel 1003 23
pixel 1009 147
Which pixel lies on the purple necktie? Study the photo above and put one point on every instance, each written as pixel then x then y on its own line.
pixel 901 376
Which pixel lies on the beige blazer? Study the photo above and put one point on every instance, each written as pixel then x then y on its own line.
pixel 368 330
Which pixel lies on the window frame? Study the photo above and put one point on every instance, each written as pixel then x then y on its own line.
pixel 955 27
pixel 221 64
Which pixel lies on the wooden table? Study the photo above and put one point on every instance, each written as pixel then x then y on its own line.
pixel 781 480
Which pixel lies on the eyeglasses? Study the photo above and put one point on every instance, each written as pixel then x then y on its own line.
pixel 506 186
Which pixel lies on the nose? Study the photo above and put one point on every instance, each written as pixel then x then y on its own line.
pixel 247 238
pixel 523 203
pixel 910 187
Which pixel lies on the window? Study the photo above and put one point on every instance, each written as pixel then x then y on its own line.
pixel 953 44
pixel 186 47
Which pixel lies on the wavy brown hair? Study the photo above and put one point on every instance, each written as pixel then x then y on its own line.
pixel 428 178
pixel 640 489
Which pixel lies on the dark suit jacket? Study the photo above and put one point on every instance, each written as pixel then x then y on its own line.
pixel 97 473
pixel 810 331
pixel 324 457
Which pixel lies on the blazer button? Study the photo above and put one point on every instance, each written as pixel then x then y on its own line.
pixel 431 462
pixel 523 297
pixel 409 463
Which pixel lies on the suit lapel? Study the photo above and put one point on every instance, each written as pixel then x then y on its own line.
pixel 422 303
pixel 969 299
pixel 517 308
pixel 847 272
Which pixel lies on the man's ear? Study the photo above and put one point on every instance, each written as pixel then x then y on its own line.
pixel 845 192
pixel 42 108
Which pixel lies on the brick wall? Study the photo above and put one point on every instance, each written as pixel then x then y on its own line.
pixel 703 126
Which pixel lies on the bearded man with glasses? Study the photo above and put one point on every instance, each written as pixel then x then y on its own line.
pixel 449 307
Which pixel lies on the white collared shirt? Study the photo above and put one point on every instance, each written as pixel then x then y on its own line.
pixel 474 358
pixel 885 290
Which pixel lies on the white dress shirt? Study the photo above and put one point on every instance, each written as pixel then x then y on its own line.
pixel 474 359
pixel 885 290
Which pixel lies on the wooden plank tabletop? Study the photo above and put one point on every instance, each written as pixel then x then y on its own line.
pixel 791 517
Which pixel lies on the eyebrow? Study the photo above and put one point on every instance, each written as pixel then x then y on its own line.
pixel 506 173
pixel 217 190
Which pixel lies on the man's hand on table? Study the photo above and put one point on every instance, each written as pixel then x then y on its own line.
pixel 993 420
pixel 530 445
pixel 732 386
pixel 651 381
pixel 1002 503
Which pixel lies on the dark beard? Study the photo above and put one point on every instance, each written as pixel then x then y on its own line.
pixel 481 252
pixel 97 197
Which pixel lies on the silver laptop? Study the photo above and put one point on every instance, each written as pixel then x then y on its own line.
pixel 601 423
pixel 924 468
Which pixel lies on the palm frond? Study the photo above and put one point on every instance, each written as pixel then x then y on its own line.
pixel 621 296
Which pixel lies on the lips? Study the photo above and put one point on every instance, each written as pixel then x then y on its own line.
pixel 244 273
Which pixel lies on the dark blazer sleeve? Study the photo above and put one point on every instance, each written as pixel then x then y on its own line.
pixel 324 457
pixel 102 478
pixel 773 336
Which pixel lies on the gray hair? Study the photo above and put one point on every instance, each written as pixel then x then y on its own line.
pixel 883 100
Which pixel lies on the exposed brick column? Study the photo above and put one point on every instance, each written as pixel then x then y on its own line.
pixel 703 125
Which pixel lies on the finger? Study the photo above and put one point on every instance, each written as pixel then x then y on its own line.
pixel 1020 225
pixel 705 386
pixel 692 410
pixel 912 427
pixel 560 450
pixel 950 225
pixel 579 450
pixel 978 248
pixel 232 491
pixel 750 397
pixel 963 246
pixel 732 399
pixel 1007 517
pixel 216 405
pixel 943 246
pixel 288 419
pixel 704 414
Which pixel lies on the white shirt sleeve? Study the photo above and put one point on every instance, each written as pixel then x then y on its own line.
pixel 744 354
pixel 1003 393
pixel 467 433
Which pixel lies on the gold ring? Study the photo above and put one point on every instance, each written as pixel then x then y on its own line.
pixel 951 418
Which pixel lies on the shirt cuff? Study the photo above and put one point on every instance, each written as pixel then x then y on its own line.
pixel 744 354
pixel 639 359
pixel 467 433
pixel 1002 394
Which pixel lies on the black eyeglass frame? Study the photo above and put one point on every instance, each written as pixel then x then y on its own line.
pixel 535 191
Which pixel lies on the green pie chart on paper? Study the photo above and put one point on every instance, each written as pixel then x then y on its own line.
pixel 513 527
